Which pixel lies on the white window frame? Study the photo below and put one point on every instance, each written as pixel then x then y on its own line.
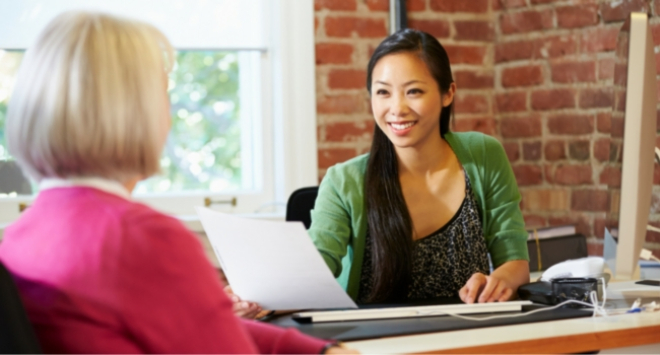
pixel 288 131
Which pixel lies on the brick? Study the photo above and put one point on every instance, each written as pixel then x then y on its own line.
pixel 573 175
pixel 340 104
pixel 384 5
pixel 466 54
pixel 511 102
pixel 619 102
pixel 620 74
pixel 606 69
pixel 579 150
pixel 619 10
pixel 599 228
pixel 573 124
pixel 604 122
pixel 522 76
pixel 657 62
pixel 610 176
pixel 545 199
pixel 349 5
pixel 474 30
pixel 552 99
pixel 555 46
pixel 596 98
pixel 573 72
pixel 590 200
pixel 349 131
pixel 577 16
pixel 602 149
pixel 521 127
pixel 527 175
pixel 516 50
pixel 347 26
pixel 512 150
pixel 599 40
pixel 511 4
pixel 549 171
pixel 594 249
pixel 415 5
pixel 555 150
pixel 473 6
pixel 536 2
pixel 328 157
pixel 526 21
pixel 469 79
pixel 484 125
pixel 533 221
pixel 532 151
pixel 436 28
pixel 333 53
pixel 378 5
pixel 347 79
pixel 471 103
pixel 581 222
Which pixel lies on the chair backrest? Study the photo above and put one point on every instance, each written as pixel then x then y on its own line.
pixel 16 333
pixel 300 204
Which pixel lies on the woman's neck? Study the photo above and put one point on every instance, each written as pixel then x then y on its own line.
pixel 424 160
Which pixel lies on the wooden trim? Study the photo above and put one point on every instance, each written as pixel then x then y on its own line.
pixel 568 344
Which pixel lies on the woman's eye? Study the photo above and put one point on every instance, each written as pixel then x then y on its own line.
pixel 414 91
pixel 381 92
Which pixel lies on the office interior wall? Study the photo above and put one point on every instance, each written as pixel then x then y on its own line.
pixel 536 74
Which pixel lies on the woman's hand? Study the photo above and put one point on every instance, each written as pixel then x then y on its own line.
pixel 340 349
pixel 481 288
pixel 500 286
pixel 243 309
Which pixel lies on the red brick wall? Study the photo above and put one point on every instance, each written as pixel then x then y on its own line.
pixel 536 74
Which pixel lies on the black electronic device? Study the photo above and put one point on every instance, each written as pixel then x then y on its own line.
pixel 648 282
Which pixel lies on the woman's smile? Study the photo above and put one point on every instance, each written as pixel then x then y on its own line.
pixel 401 128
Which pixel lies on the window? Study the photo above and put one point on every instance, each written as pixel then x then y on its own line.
pixel 242 95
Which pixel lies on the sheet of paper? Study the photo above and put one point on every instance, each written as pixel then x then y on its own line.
pixel 272 263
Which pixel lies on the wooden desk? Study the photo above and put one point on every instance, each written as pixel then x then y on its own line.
pixel 563 336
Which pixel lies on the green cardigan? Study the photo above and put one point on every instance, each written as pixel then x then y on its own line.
pixel 339 217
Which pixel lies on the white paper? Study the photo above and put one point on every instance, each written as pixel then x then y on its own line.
pixel 274 264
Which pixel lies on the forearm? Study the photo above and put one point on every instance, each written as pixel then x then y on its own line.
pixel 514 273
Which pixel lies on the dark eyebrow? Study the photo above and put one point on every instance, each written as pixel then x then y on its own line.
pixel 382 83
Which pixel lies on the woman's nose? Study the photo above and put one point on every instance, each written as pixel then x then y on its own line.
pixel 399 106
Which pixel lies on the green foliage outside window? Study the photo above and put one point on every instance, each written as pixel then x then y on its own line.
pixel 203 149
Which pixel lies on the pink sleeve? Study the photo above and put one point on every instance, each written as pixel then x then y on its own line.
pixel 175 301
pixel 274 340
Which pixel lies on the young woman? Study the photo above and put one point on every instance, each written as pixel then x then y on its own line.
pixel 98 272
pixel 418 216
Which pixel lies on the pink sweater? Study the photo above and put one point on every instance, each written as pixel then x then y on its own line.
pixel 101 274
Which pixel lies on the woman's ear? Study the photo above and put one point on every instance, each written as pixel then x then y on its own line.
pixel 448 97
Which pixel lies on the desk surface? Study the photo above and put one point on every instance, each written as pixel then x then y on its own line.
pixel 572 335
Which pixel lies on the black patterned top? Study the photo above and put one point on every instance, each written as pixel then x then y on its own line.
pixel 444 260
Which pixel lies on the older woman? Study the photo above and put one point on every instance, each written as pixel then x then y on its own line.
pixel 98 272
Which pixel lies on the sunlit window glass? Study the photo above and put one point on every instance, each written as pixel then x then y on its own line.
pixel 203 150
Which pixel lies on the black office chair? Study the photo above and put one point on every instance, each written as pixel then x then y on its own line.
pixel 16 333
pixel 300 204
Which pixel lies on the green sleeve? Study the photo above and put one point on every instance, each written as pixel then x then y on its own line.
pixel 504 231
pixel 330 230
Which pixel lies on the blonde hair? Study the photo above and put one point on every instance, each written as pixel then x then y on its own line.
pixel 90 99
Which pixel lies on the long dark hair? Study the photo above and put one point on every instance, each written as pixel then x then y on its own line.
pixel 390 225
